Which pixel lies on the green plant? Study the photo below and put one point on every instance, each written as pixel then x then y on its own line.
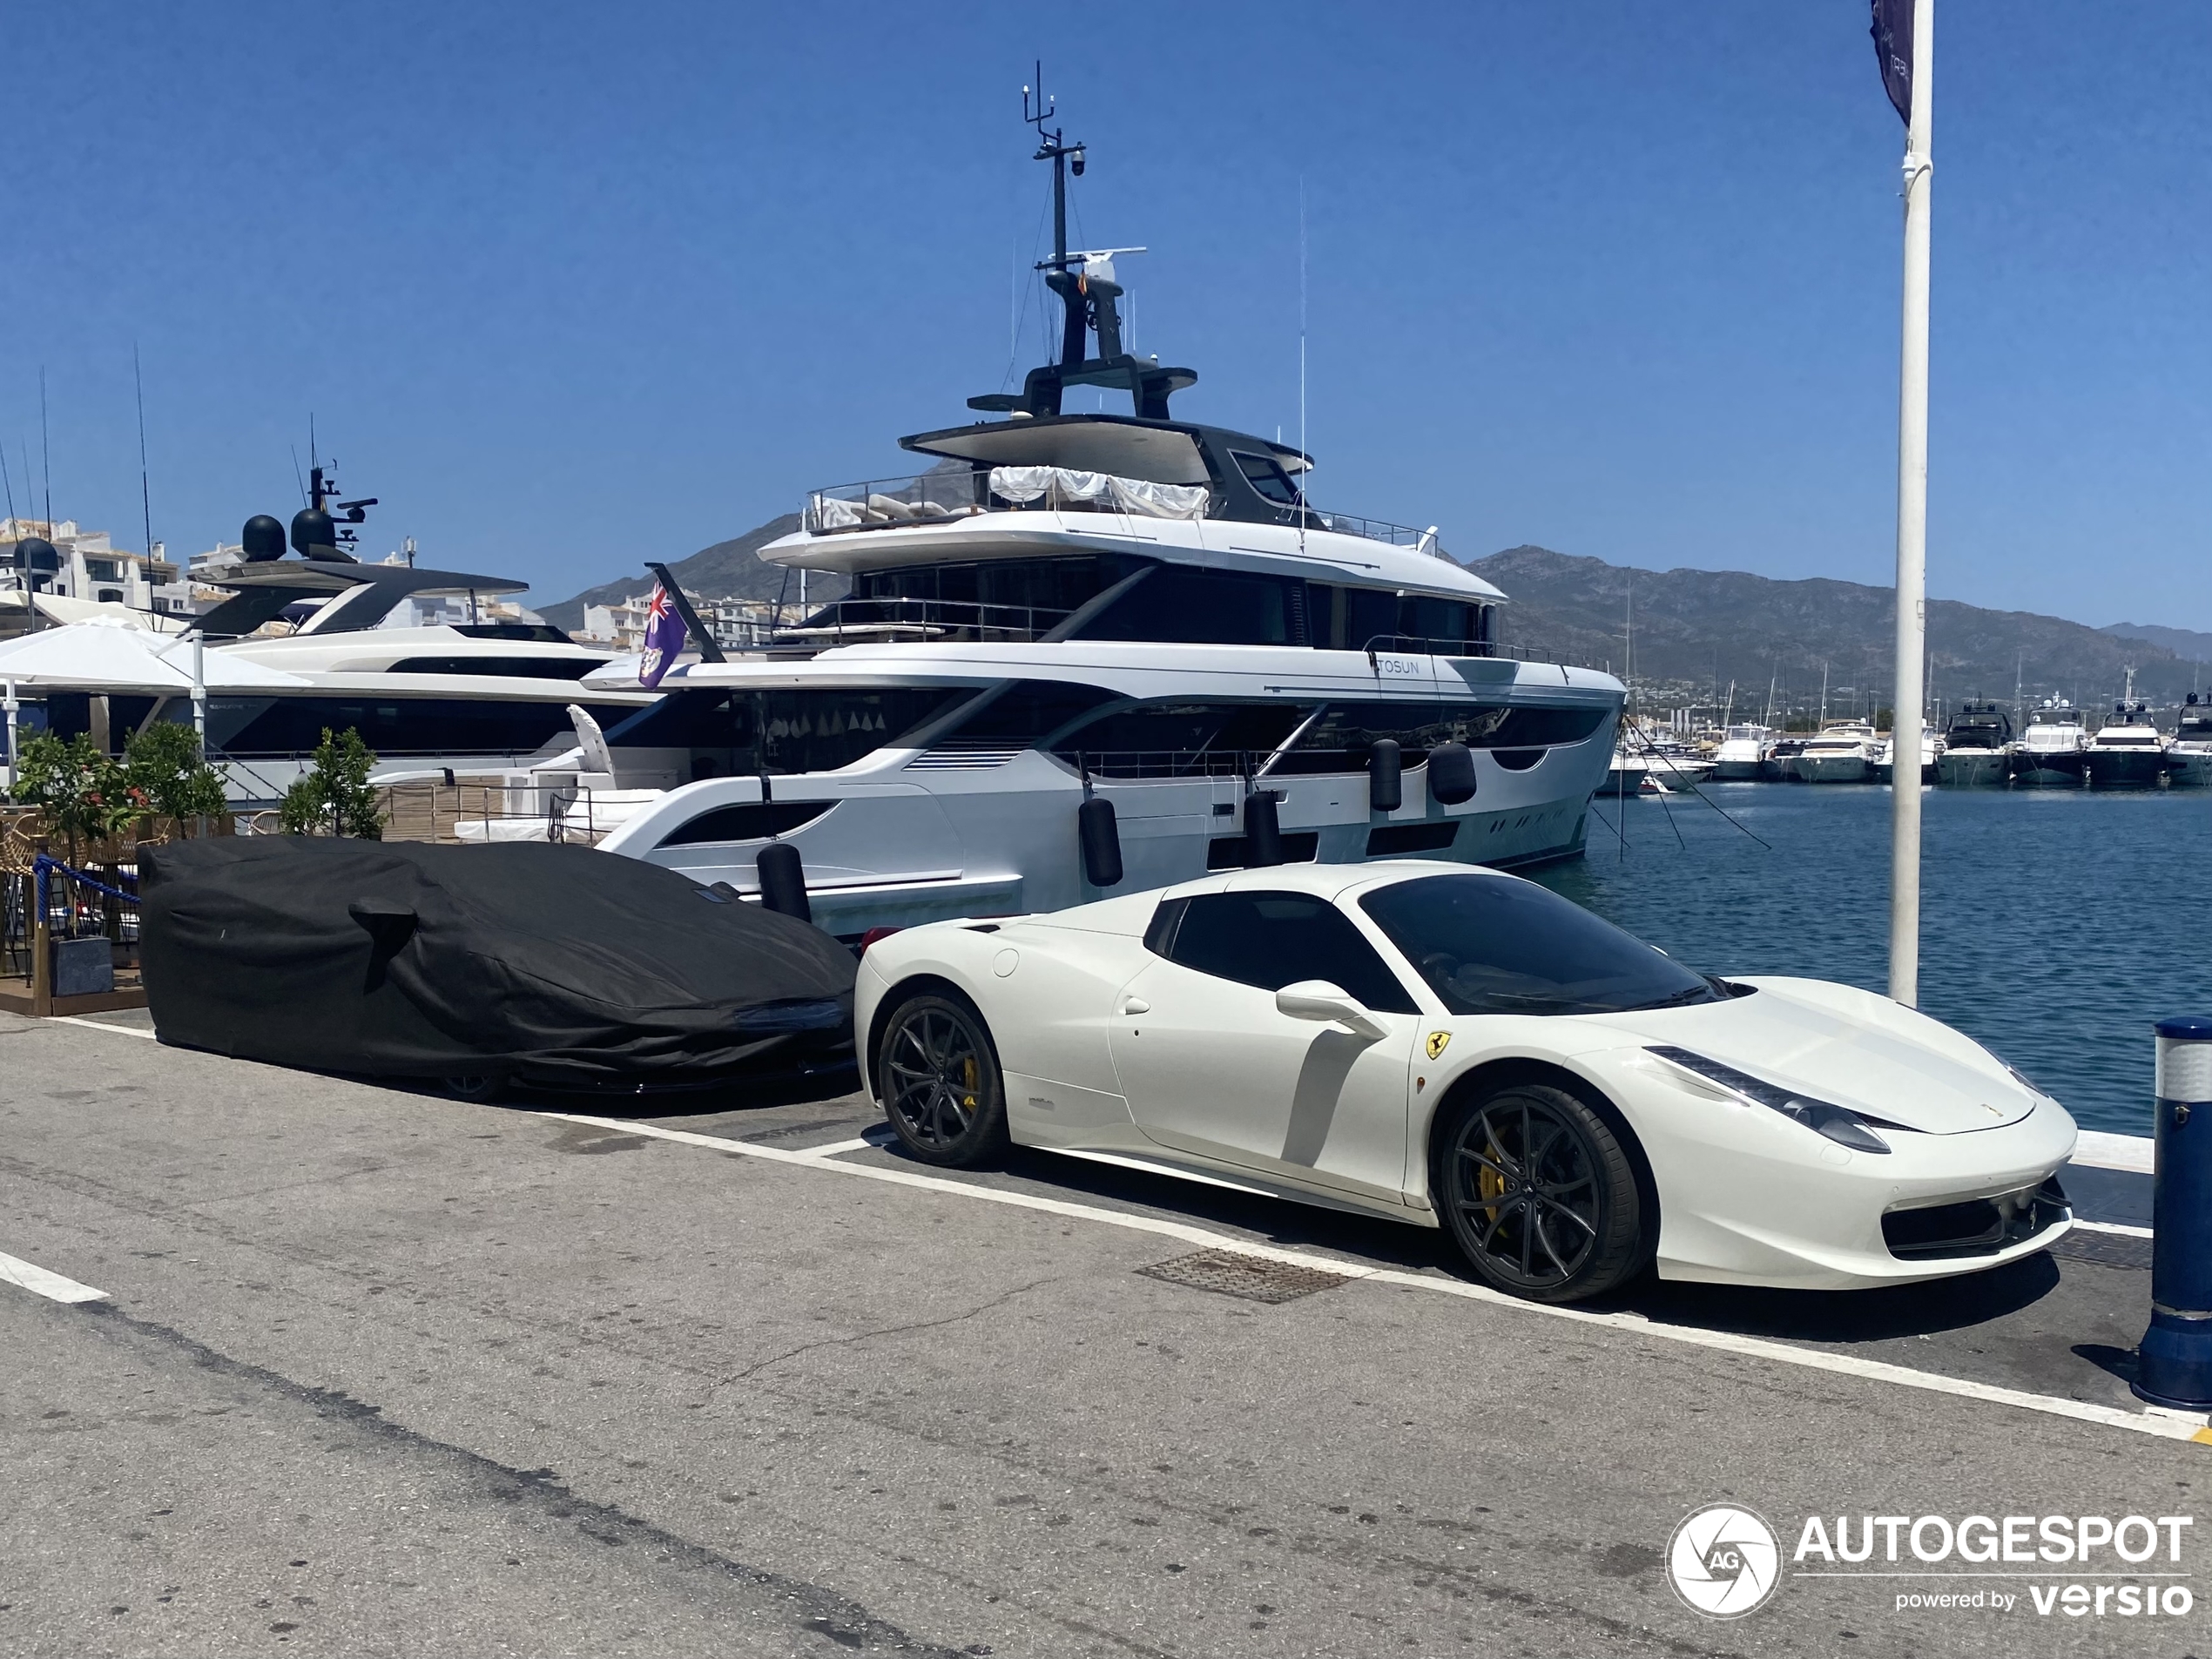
pixel 334 796
pixel 82 793
pixel 165 764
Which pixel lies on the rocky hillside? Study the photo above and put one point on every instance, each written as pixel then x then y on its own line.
pixel 1696 629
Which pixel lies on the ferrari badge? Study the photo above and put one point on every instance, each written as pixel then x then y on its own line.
pixel 1436 1041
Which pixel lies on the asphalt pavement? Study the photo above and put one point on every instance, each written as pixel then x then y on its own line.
pixel 375 1372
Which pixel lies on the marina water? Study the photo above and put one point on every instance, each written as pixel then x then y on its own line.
pixel 2056 925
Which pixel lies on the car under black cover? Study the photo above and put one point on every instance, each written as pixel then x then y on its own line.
pixel 548 966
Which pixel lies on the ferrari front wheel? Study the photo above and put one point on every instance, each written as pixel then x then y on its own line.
pixel 937 1073
pixel 1538 1193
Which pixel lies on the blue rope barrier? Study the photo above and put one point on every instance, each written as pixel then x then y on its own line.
pixel 43 866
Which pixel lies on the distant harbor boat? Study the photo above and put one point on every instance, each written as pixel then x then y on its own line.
pixel 1976 748
pixel 2051 754
pixel 2189 757
pixel 1745 755
pixel 2127 751
pixel 1931 748
pixel 1842 753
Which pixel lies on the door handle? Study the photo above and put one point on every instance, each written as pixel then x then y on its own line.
pixel 1136 1005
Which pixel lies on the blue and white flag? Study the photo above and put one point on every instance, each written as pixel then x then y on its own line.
pixel 664 638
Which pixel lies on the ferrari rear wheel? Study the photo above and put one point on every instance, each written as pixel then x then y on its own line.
pixel 1538 1193
pixel 937 1075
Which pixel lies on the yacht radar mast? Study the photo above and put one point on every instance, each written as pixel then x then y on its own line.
pixel 1084 281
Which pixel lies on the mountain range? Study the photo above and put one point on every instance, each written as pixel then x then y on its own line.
pixel 1694 633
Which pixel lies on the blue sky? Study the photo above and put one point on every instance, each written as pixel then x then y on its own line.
pixel 572 287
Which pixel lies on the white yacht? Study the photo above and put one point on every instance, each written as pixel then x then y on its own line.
pixel 1976 748
pixel 1746 752
pixel 1070 609
pixel 476 697
pixel 2051 752
pixel 1842 752
pixel 2189 757
pixel 1931 747
pixel 2127 750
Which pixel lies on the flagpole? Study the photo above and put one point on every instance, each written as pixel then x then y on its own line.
pixel 1911 527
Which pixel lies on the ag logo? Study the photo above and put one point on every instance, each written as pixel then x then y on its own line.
pixel 1724 1561
pixel 1436 1041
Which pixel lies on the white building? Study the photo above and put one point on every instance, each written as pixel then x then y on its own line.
pixel 88 569
pixel 736 624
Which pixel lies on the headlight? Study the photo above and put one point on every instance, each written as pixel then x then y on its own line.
pixel 1839 1124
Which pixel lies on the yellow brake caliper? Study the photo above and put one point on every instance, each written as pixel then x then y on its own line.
pixel 969 1073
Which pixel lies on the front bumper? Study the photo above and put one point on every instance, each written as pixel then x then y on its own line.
pixel 1746 1196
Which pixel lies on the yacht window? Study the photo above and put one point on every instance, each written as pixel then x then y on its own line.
pixel 528 668
pixel 1031 710
pixel 1177 604
pixel 1348 618
pixel 751 820
pixel 1267 476
pixel 268 727
pixel 1181 739
pixel 1339 740
pixel 746 731
pixel 1026 597
pixel 1271 940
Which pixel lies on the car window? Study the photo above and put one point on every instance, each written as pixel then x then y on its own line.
pixel 1271 940
pixel 1490 944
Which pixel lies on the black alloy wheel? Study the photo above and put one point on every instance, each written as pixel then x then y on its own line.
pixel 937 1075
pixel 1538 1194
pixel 481 1087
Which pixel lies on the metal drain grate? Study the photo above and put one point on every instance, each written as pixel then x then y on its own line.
pixel 1254 1278
pixel 2106 1250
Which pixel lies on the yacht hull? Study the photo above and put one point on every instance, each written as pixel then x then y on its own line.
pixel 2125 768
pixel 2189 767
pixel 2048 771
pixel 1741 772
pixel 895 849
pixel 1974 769
pixel 1833 769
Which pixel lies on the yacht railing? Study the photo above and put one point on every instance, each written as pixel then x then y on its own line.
pixel 932 497
pixel 1412 645
pixel 898 619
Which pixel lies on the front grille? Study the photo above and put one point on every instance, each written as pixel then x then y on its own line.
pixel 1976 1226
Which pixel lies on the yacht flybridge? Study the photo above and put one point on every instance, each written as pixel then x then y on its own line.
pixel 430 697
pixel 1070 606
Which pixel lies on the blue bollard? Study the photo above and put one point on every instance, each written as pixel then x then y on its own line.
pixel 2175 1356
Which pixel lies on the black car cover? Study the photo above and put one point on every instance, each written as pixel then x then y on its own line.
pixel 555 964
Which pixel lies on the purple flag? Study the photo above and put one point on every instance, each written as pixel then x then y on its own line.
pixel 664 638
pixel 1893 47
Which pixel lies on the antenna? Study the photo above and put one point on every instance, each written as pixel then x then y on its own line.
pixel 146 491
pixel 45 454
pixel 1301 361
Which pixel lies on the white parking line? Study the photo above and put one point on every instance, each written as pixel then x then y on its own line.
pixel 102 1025
pixel 52 1286
pixel 2119 1227
pixel 2163 1426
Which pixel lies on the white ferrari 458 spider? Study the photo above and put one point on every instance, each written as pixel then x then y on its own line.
pixel 1451 1046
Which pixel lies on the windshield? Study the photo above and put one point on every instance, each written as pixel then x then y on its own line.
pixel 1491 944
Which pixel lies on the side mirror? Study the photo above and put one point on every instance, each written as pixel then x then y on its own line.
pixel 1316 999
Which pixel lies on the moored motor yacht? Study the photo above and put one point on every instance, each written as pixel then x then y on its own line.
pixel 1089 653
pixel 2189 757
pixel 2127 750
pixel 1745 755
pixel 1885 768
pixel 1977 747
pixel 2049 754
pixel 432 699
pixel 1842 752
